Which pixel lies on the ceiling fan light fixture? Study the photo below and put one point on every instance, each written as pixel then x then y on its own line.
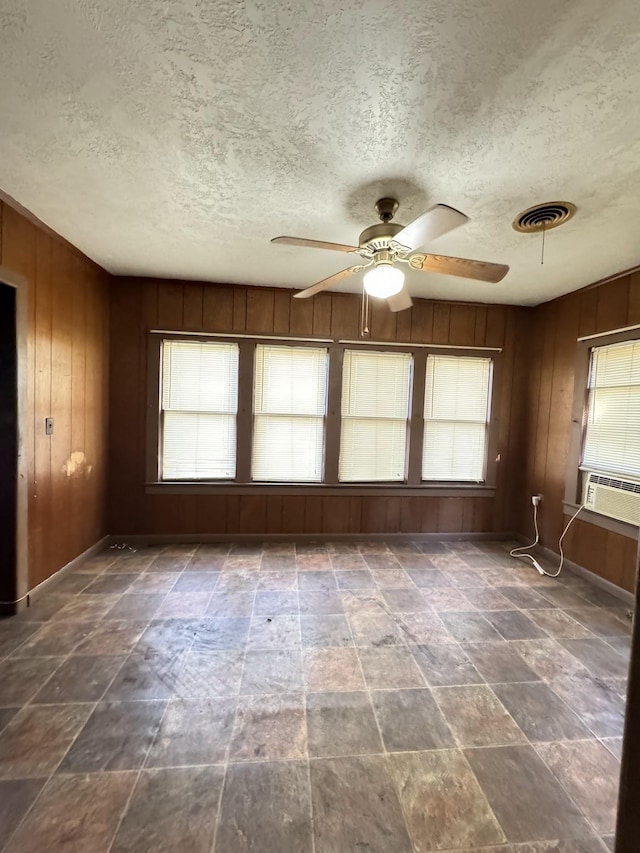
pixel 383 280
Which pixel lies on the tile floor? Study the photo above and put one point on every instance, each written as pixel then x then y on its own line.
pixel 333 697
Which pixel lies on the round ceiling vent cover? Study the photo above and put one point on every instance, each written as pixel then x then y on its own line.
pixel 543 217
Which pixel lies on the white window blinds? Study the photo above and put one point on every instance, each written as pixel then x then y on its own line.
pixel 199 406
pixel 375 408
pixel 456 411
pixel 290 401
pixel 612 434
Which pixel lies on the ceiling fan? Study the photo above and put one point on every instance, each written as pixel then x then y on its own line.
pixel 385 246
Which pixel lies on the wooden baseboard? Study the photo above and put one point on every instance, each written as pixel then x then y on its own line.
pixel 50 583
pixel 141 539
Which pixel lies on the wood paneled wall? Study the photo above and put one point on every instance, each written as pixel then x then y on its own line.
pixel 553 331
pixel 138 305
pixel 68 351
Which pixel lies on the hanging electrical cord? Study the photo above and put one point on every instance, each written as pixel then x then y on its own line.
pixel 521 553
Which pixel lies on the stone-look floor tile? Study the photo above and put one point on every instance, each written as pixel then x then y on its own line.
pixel 609 841
pixel 442 801
pixel 75 813
pixel 480 560
pixel 404 600
pixel 213 549
pixel 363 601
pixel 317 582
pixel 16 798
pixel 341 724
pixel 621 644
pixel 310 547
pixel 246 562
pixel 14 634
pixel 603 623
pixel 590 774
pixel 46 607
pixel 410 720
pixel 540 713
pixel 391 578
pixel 465 578
pixel 525 598
pixel 559 624
pixel 348 562
pixel 79 679
pixel 55 638
pixel 87 607
pixel 73 583
pixel 499 662
pixel 447 561
pixel 563 597
pixel 514 625
pixel 144 677
pixel 117 736
pixel 265 806
pixel 193 731
pixel 166 637
pixel 314 563
pixel 389 667
pixel 445 664
pixel 373 546
pixel 382 562
pixel 318 602
pixel 274 632
pixel 206 563
pixel 231 604
pixel 415 561
pixel 156 582
pixel 232 582
pixel 548 659
pixel 428 578
pixel 278 581
pixel 525 796
pixel 268 728
pixel 37 738
pixel 171 810
pixel 332 670
pixel 183 605
pixel 175 563
pixel 469 627
pixel 272 671
pixel 598 657
pixel 136 606
pixel 355 580
pixel 110 584
pixel 487 598
pixel 325 631
pixel 207 674
pixel 279 547
pixel 342 547
pixel 375 630
pixel 280 603
pixel 614 745
pixel 477 717
pixel 97 564
pixel 21 678
pixel 440 598
pixel 187 582
pixel 424 628
pixel 216 634
pixel 598 705
pixel 355 806
pixel 112 638
pixel 593 844
pixel 7 714
pixel 246 549
pixel 280 563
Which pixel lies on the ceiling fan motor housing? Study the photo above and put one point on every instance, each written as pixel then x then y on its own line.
pixel 378 236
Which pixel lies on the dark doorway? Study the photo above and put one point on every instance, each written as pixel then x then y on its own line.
pixel 8 441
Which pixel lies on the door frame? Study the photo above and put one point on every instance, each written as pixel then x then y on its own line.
pixel 20 285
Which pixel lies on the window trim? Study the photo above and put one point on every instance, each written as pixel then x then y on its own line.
pixel 574 474
pixel 412 486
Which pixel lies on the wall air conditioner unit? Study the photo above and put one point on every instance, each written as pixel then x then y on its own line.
pixel 613 496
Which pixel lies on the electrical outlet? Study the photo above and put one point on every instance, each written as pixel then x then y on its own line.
pixel 536 500
pixel 48 426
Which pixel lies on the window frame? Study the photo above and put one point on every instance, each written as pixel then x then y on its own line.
pixel 243 484
pixel 574 474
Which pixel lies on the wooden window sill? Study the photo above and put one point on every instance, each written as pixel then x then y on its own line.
pixel 321 489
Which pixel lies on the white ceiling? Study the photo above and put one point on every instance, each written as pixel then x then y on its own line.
pixel 175 137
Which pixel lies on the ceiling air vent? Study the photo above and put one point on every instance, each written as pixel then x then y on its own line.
pixel 542 217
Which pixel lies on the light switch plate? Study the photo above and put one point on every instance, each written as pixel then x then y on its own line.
pixel 48 426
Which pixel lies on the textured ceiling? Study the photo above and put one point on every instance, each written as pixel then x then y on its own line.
pixel 175 137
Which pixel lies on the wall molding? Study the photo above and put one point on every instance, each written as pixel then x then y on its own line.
pixel 142 539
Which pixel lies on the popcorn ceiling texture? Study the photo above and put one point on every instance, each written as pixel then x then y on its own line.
pixel 175 137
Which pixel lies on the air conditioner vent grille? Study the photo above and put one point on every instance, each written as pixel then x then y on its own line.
pixel 615 483
pixel 614 497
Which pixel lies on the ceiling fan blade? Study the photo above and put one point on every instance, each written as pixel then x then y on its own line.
pixel 400 301
pixel 327 282
pixel 463 267
pixel 433 223
pixel 314 244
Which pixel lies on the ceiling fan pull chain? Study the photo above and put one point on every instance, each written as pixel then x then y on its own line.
pixel 544 231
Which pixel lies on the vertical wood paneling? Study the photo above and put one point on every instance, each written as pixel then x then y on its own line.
pixel 260 306
pixel 192 307
pixel 217 308
pixel 67 378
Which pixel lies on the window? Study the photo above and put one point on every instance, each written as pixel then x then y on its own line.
pixel 260 413
pixel 456 413
pixel 290 401
pixel 612 430
pixel 376 390
pixel 199 406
